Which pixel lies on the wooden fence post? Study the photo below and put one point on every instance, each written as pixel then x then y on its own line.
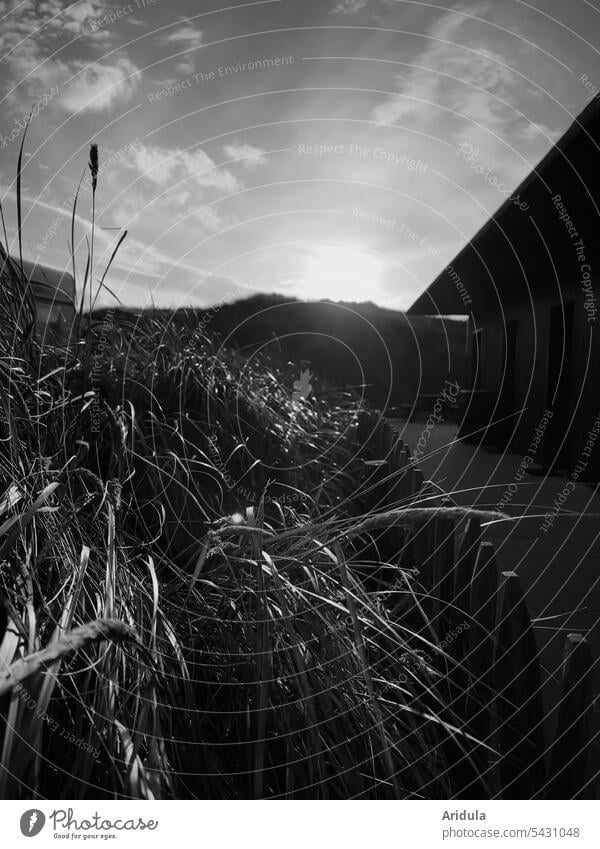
pixel 417 481
pixel 385 440
pixel 364 431
pixel 464 757
pixel 465 564
pixel 396 469
pixel 480 654
pixel 569 753
pixel 440 570
pixel 445 558
pixel 463 572
pixel 517 681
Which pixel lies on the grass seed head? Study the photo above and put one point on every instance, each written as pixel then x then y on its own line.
pixel 93 163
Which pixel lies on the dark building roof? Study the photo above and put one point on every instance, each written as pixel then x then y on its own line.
pixel 522 254
pixel 49 285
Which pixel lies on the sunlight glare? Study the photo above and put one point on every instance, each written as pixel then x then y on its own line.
pixel 341 273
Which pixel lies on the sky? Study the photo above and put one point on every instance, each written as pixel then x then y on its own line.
pixel 316 148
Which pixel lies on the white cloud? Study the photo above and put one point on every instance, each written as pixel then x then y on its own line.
pixel 442 63
pixel 77 17
pixel 250 157
pixel 97 87
pixel 165 166
pixel 208 218
pixel 186 66
pixel 82 86
pixel 28 41
pixel 182 35
pixel 353 7
pixel 350 7
pixel 463 72
pixel 53 17
pixel 535 132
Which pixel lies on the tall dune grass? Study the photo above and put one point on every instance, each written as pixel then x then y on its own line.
pixel 176 545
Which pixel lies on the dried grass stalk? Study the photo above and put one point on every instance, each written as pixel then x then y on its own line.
pixel 74 641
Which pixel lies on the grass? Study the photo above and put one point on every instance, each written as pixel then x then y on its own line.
pixel 183 610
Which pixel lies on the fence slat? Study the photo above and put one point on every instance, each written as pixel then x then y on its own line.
pixel 465 564
pixel 397 484
pixel 364 429
pixel 440 570
pixel 463 571
pixel 480 654
pixel 569 753
pixel 418 481
pixel 385 440
pixel 517 681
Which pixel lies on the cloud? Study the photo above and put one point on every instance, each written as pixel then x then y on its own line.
pixel 463 71
pixel 51 17
pixel 535 132
pixel 165 166
pixel 28 41
pixel 353 7
pixel 157 191
pixel 250 157
pixel 77 17
pixel 429 81
pixel 186 66
pixel 182 35
pixel 208 218
pixel 175 186
pixel 97 87
pixel 82 86
pixel 350 7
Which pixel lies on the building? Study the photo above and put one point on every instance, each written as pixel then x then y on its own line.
pixel 531 276
pixel 53 293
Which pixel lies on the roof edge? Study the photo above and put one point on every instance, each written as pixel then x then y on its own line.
pixel 579 123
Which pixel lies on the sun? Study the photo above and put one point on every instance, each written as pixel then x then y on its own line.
pixel 341 273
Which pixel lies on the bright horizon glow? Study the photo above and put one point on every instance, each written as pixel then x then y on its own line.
pixel 341 273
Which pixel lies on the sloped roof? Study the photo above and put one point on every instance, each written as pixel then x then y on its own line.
pixel 440 298
pixel 48 284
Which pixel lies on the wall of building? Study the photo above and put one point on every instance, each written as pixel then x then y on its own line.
pixel 523 264
pixel 577 407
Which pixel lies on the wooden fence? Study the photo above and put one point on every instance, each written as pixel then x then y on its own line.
pixel 493 679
